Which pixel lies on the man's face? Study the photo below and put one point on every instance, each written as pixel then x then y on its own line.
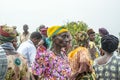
pixel 43 31
pixel 63 40
pixel 36 41
pixel 25 28
pixel 92 37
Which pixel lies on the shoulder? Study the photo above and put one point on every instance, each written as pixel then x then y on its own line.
pixel 97 60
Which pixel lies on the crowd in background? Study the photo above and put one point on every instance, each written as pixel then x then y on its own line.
pixel 48 53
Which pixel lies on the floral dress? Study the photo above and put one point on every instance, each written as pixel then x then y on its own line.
pixel 48 66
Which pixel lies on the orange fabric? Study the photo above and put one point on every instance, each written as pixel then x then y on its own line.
pixel 80 60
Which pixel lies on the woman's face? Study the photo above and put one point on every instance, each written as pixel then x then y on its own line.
pixel 63 40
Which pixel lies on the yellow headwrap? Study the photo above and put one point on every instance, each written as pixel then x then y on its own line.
pixel 54 30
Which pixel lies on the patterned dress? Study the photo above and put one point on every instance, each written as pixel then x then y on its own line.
pixel 17 68
pixel 48 66
pixel 16 64
pixel 108 71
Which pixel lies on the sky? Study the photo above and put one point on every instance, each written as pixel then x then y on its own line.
pixel 95 13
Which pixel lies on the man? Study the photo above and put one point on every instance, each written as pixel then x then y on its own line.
pixel 94 52
pixel 28 48
pixel 25 35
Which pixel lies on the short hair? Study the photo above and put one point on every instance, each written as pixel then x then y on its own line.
pixel 36 35
pixel 109 43
pixel 25 26
pixel 41 26
pixel 90 31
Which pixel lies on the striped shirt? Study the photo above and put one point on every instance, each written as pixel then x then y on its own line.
pixel 3 63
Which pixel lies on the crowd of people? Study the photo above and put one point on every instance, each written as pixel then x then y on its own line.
pixel 47 54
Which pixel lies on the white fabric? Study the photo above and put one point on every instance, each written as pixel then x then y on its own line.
pixel 28 50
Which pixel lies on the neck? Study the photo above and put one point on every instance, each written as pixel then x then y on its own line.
pixel 56 50
pixel 108 54
pixel 25 32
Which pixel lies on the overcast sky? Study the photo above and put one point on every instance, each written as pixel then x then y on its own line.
pixel 95 13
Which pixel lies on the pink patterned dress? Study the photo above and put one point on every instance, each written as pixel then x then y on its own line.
pixel 48 66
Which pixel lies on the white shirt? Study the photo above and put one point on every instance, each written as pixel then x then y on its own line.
pixel 28 50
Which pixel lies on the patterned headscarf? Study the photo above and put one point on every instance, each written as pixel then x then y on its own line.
pixel 7 34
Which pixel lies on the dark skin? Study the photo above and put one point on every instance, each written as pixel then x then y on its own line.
pixel 61 41
pixel 92 37
pixel 25 29
pixel 104 59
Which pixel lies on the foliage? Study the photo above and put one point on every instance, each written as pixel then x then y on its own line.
pixel 97 40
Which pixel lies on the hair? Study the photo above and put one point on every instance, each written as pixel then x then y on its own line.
pixel 25 25
pixel 41 26
pixel 36 35
pixel 109 43
pixel 90 31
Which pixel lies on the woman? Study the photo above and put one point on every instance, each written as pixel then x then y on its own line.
pixel 107 67
pixel 80 63
pixel 53 64
pixel 16 64
pixel 102 32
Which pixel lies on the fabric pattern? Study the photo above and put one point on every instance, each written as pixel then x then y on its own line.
pixel 16 70
pixel 7 34
pixel 48 66
pixel 108 71
pixel 16 64
pixel 80 63
pixel 3 63
pixel 54 30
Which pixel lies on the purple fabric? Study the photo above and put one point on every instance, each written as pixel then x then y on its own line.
pixel 103 31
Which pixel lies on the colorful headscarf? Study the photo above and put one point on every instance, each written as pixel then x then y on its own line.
pixel 7 34
pixel 54 30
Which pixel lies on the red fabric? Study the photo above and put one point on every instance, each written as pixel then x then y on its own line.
pixel 3 33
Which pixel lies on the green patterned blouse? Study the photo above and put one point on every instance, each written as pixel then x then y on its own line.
pixel 108 71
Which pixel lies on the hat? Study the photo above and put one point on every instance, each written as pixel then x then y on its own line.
pixel 54 30
pixel 90 31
